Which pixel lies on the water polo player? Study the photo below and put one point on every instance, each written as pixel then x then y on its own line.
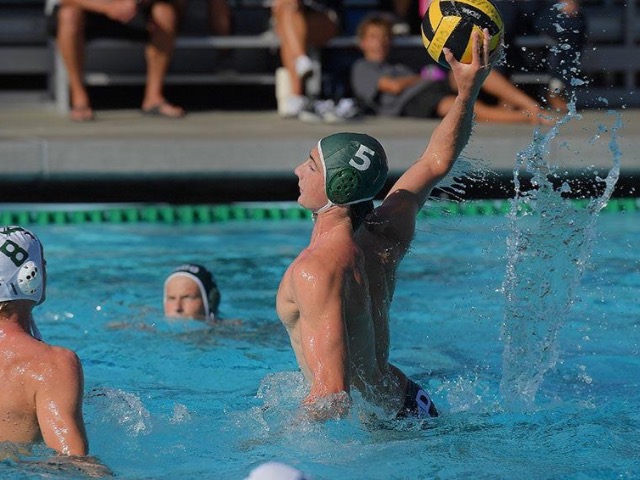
pixel 190 291
pixel 42 385
pixel 334 298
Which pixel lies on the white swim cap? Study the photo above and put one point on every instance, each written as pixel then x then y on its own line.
pixel 21 269
pixel 275 471
pixel 21 265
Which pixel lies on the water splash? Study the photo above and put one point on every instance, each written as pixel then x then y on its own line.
pixel 122 408
pixel 548 244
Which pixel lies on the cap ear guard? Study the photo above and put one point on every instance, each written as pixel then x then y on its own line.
pixel 343 186
pixel 29 278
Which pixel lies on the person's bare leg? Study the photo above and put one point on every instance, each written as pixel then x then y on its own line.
pixel 158 55
pixel 220 17
pixel 291 28
pixel 71 42
pixel 514 105
pixel 490 113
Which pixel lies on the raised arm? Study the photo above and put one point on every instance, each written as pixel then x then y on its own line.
pixel 452 134
pixel 317 288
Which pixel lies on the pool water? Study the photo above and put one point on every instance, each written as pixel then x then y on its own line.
pixel 524 328
pixel 168 399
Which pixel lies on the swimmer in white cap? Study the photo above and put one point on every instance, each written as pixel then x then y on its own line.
pixel 334 298
pixel 275 471
pixel 190 291
pixel 42 385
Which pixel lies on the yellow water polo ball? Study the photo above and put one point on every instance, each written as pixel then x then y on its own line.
pixel 449 24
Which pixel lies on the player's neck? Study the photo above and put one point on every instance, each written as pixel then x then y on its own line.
pixel 332 221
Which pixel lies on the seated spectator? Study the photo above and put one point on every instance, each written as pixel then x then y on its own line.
pixel 153 21
pixel 42 385
pixel 190 291
pixel 563 22
pixel 299 25
pixel 396 90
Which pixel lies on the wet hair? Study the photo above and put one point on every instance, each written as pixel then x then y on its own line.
pixel 359 213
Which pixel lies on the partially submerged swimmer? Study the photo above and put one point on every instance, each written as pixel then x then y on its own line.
pixel 42 385
pixel 190 291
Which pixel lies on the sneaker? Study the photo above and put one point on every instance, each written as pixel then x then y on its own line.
pixel 347 109
pixel 316 111
pixel 400 28
pixel 304 67
pixel 292 106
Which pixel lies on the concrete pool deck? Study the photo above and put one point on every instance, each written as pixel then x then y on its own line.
pixel 221 156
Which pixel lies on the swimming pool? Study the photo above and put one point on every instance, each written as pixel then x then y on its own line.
pixel 174 399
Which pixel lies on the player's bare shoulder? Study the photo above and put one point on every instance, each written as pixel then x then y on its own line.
pixel 59 364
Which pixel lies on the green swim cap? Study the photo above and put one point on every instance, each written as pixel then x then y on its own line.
pixel 355 167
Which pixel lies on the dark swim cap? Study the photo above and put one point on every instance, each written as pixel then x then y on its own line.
pixel 206 283
pixel 355 167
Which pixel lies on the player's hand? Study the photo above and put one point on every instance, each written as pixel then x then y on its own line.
pixel 470 77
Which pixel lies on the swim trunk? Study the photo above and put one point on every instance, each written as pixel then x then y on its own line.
pixel 424 104
pixel 417 402
pixel 101 26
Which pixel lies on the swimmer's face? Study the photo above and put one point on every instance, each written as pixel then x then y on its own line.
pixel 311 182
pixel 183 299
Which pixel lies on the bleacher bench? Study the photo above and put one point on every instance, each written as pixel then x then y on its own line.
pixel 251 56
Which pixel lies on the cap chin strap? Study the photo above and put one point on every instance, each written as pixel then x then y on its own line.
pixel 325 208
pixel 35 333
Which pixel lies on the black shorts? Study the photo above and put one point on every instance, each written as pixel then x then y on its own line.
pixel 417 402
pixel 101 26
pixel 424 104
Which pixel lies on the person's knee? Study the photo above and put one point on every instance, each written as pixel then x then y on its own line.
pixel 284 7
pixel 71 16
pixel 165 16
pixel 70 22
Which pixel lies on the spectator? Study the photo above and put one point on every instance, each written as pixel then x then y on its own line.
pixel 42 385
pixel 563 22
pixel 396 90
pixel 299 25
pixel 153 21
